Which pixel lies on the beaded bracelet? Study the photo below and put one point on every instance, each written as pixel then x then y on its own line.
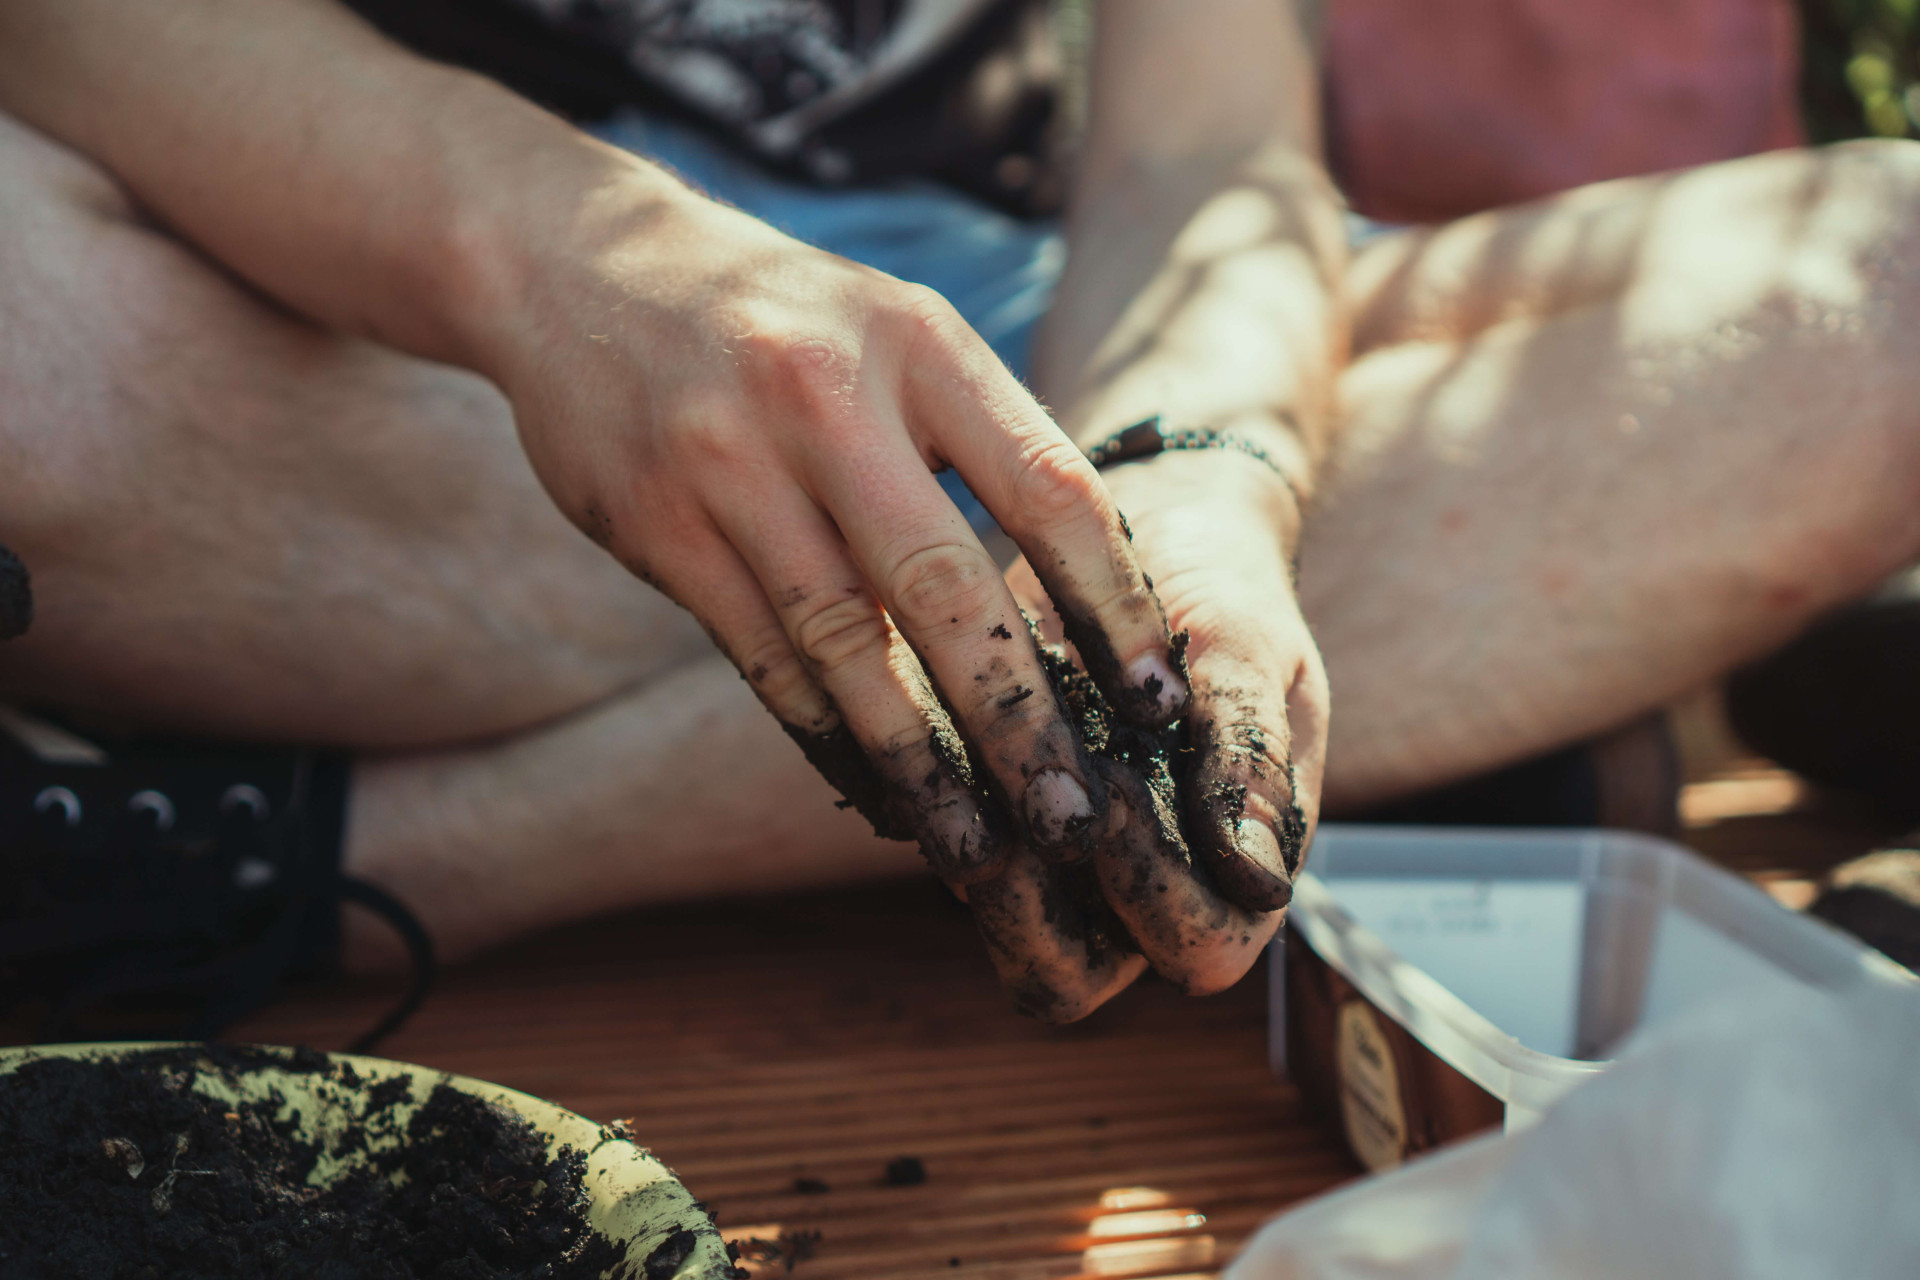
pixel 1148 437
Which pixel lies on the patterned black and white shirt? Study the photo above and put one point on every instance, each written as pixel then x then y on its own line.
pixel 836 90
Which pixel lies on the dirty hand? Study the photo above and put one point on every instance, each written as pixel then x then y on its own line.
pixel 1198 881
pixel 753 426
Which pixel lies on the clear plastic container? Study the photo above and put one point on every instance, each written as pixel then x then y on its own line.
pixel 1433 982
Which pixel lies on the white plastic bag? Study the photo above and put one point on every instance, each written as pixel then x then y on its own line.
pixel 1774 1138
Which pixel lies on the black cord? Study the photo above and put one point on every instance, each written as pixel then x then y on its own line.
pixel 419 950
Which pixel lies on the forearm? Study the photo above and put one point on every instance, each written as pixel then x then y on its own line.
pixel 371 190
pixel 1207 242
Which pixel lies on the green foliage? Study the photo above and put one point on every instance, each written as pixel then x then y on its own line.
pixel 1861 68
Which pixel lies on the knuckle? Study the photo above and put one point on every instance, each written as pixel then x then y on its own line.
pixel 1243 747
pixel 843 631
pixel 808 371
pixel 705 435
pixel 778 676
pixel 934 332
pixel 926 311
pixel 933 586
pixel 1130 612
pixel 1053 483
pixel 1011 717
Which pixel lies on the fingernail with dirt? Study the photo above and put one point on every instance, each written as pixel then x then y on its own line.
pixel 960 843
pixel 1254 873
pixel 1058 809
pixel 1154 676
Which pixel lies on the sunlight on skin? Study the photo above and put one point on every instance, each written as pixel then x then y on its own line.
pixel 1683 295
pixel 1232 259
pixel 1465 397
pixel 1466 401
pixel 1238 218
pixel 1699 300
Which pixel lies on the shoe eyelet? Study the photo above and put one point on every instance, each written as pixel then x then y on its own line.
pixel 60 798
pixel 254 873
pixel 242 795
pixel 155 803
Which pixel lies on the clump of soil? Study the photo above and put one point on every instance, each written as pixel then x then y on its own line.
pixel 907 1171
pixel 120 1169
pixel 1149 753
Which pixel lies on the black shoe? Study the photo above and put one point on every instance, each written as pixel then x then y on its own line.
pixel 1628 779
pixel 166 889
pixel 1840 706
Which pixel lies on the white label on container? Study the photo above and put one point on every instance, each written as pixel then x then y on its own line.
pixel 1509 948
pixel 1370 1106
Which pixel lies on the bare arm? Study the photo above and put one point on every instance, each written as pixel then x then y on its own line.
pixel 1207 246
pixel 748 423
pixel 379 193
pixel 1203 175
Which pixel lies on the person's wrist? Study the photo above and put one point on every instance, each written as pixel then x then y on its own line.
pixel 1251 456
pixel 525 271
pixel 1215 488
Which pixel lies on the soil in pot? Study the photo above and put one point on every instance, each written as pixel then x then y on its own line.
pixel 121 1168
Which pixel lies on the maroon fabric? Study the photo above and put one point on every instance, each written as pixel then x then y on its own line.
pixel 1439 108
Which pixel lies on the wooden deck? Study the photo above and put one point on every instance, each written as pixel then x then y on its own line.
pixel 824 1037
pixel 780 1055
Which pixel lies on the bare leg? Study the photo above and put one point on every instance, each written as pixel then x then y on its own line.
pixel 682 789
pixel 236 522
pixel 1598 450
pixel 239 524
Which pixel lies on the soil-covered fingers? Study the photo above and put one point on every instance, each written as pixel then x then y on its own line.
pixel 975 416
pixel 1193 934
pixel 946 596
pixel 1212 529
pixel 828 623
pixel 1057 949
pixel 1249 793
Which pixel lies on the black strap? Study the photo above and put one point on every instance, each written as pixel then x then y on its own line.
pixel 16 596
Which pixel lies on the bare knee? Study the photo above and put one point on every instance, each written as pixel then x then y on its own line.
pixel 1801 272
pixel 112 325
pixel 1857 251
pixel 1870 219
pixel 58 207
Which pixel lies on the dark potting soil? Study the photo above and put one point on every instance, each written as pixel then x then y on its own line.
pixel 907 1171
pixel 120 1170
